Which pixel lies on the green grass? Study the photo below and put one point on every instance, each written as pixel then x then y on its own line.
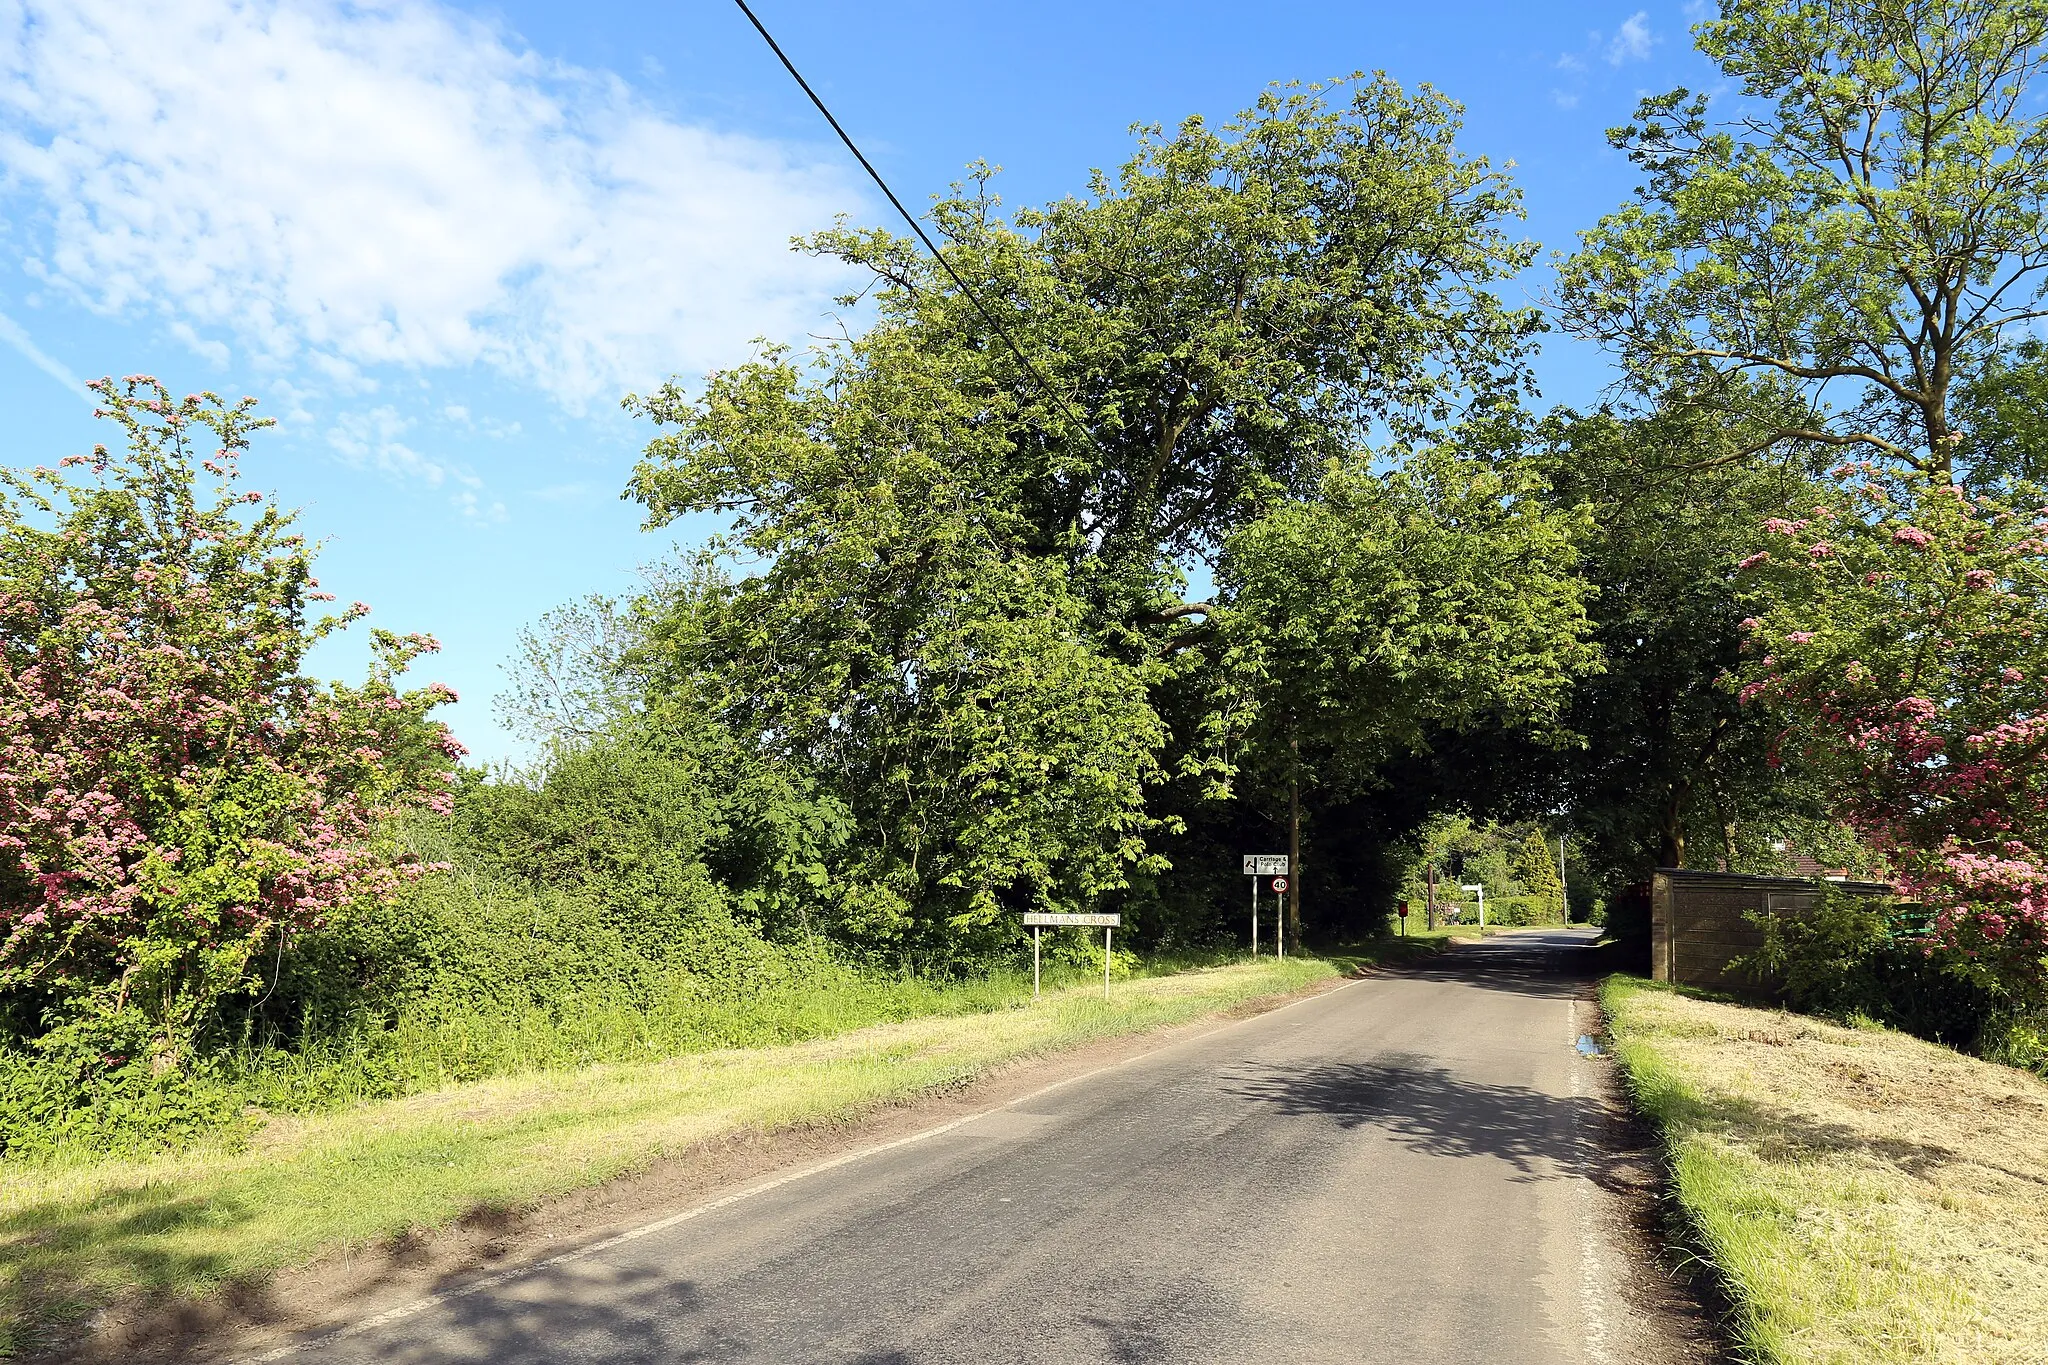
pixel 1866 1197
pixel 429 1048
pixel 76 1234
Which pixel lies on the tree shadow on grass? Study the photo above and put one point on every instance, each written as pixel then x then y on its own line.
pixel 1786 1136
pixel 61 1260
pixel 64 1259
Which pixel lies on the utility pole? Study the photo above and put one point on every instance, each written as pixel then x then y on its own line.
pixel 1293 926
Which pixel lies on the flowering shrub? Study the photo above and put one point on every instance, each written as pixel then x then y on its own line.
pixel 1914 656
pixel 174 794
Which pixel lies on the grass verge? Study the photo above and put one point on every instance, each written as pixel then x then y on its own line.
pixel 1865 1196
pixel 75 1235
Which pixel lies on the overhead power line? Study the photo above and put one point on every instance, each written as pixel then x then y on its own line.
pixel 917 227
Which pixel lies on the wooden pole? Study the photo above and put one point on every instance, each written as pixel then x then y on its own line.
pixel 1293 929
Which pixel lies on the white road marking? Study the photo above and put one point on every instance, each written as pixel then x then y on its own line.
pixel 1594 1277
pixel 421 1305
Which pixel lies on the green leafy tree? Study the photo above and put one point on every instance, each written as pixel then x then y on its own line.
pixel 174 792
pixel 1862 231
pixel 1437 594
pixel 901 647
pixel 967 621
pixel 1393 607
pixel 1231 309
pixel 1669 767
pixel 1536 869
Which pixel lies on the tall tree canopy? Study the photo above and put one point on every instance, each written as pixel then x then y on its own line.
pixel 1232 308
pixel 1868 226
pixel 968 550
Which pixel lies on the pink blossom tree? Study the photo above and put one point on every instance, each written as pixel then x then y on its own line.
pixel 175 794
pixel 1907 632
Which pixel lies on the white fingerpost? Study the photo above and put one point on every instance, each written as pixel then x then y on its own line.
pixel 1481 889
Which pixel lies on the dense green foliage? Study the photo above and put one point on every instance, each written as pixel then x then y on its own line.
pixel 948 662
pixel 969 626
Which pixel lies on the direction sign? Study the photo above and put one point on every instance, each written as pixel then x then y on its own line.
pixel 1265 864
pixel 1279 885
pixel 1084 921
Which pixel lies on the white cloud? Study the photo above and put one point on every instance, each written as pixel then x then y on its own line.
pixel 370 440
pixel 1631 42
pixel 15 335
pixel 340 185
pixel 209 348
pixel 472 507
pixel 1564 99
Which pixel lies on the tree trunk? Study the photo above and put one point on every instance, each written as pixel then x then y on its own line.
pixel 1671 848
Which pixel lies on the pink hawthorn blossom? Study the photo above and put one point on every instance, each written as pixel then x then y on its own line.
pixel 172 789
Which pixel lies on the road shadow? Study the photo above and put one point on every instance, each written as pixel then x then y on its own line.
pixel 1427 1109
pixel 1550 966
pixel 625 1316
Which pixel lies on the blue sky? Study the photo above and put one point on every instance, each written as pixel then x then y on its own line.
pixel 440 241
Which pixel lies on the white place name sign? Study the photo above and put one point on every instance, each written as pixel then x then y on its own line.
pixel 1085 921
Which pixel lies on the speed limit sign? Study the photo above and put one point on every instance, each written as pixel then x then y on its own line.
pixel 1279 885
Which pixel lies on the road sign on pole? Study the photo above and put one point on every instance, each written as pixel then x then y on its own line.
pixel 1257 865
pixel 1279 886
pixel 1107 923
pixel 1479 887
pixel 1402 911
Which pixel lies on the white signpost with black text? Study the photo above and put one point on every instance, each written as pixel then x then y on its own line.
pixel 1274 865
pixel 1036 922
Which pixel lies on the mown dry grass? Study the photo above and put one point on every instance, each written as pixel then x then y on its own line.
pixel 75 1235
pixel 1868 1197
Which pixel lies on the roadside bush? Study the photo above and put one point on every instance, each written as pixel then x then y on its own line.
pixel 1856 956
pixel 1512 911
pixel 2020 1041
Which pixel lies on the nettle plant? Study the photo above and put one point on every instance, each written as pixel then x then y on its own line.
pixel 1904 633
pixel 175 795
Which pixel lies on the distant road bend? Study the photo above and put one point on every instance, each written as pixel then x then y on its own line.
pixel 1415 1167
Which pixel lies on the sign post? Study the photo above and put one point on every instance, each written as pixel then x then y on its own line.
pixel 1481 889
pixel 1274 865
pixel 1034 922
pixel 1403 912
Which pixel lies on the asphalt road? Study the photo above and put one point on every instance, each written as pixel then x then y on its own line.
pixel 1405 1169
